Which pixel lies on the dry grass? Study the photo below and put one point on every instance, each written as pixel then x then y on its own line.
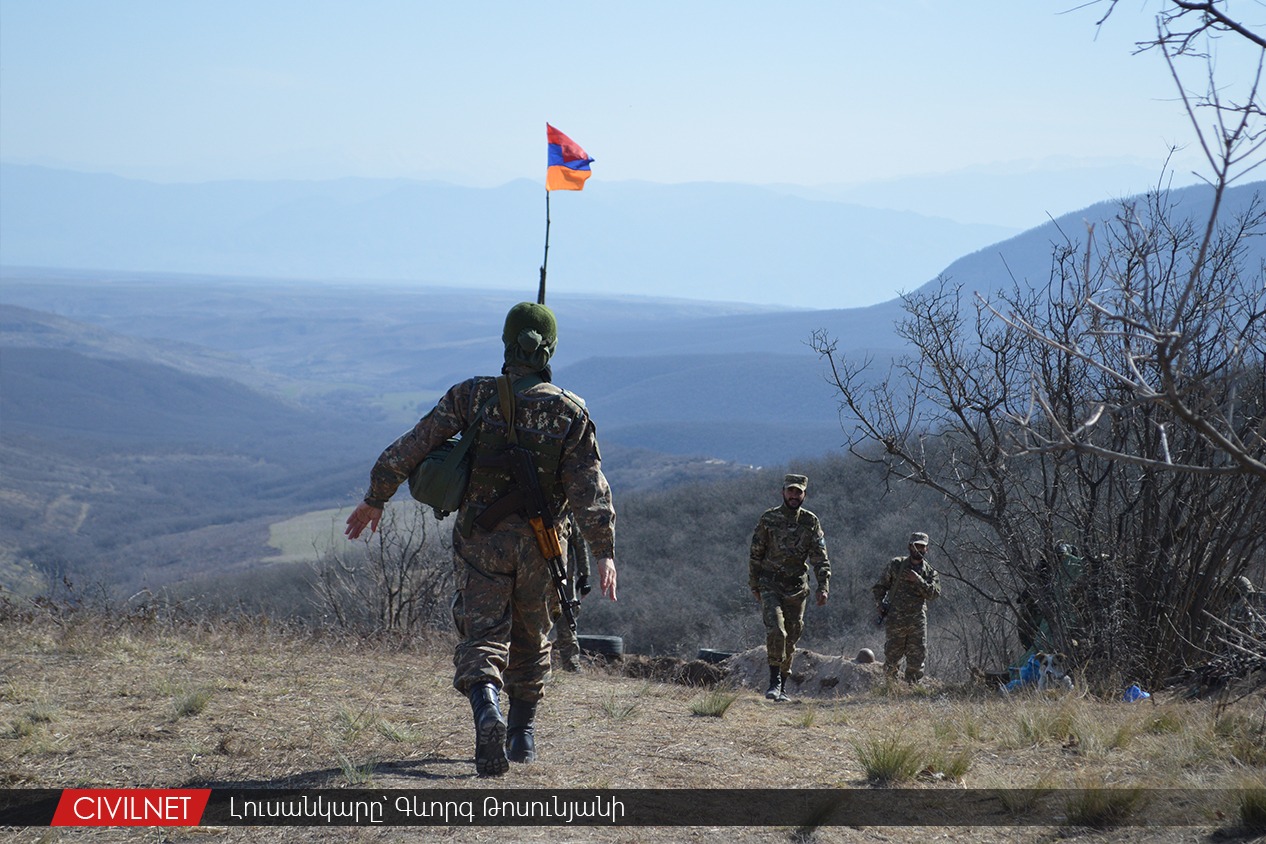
pixel 84 702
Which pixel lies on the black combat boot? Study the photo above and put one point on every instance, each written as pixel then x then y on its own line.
pixel 775 683
pixel 520 737
pixel 782 686
pixel 490 732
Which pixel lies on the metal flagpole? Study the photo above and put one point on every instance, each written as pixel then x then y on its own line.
pixel 540 294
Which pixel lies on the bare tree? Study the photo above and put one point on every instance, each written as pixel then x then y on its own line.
pixel 398 579
pixel 1117 562
pixel 1183 24
pixel 1189 344
pixel 1175 313
pixel 1103 434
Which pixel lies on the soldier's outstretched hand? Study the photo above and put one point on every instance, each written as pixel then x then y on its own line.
pixel 606 577
pixel 364 515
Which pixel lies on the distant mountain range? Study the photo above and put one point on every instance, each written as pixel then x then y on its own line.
pixel 651 368
pixel 1022 194
pixel 720 242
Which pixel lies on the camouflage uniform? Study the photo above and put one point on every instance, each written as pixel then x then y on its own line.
pixel 578 571
pixel 906 622
pixel 784 542
pixel 507 592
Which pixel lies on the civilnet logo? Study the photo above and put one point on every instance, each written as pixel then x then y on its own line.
pixel 131 807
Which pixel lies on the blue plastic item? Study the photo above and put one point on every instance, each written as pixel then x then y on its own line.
pixel 1134 693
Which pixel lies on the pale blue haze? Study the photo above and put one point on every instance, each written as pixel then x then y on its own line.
pixel 808 93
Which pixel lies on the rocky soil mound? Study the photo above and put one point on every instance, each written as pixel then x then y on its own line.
pixel 812 674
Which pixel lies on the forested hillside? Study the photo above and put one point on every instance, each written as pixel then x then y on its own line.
pixel 684 558
pixel 116 471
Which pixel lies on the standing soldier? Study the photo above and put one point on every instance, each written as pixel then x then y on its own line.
pixel 578 578
pixel 506 585
pixel 902 593
pixel 787 537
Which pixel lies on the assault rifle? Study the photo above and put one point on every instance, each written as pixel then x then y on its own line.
pixel 522 465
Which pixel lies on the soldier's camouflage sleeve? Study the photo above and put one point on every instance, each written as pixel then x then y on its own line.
pixel 818 555
pixel 448 418
pixel 760 549
pixel 931 585
pixel 588 493
pixel 884 584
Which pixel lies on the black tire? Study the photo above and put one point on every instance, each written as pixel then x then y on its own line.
pixel 611 647
pixel 713 657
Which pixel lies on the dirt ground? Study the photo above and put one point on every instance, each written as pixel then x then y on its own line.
pixel 87 703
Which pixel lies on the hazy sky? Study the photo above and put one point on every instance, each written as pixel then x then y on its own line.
pixel 713 90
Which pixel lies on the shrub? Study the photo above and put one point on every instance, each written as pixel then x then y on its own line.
pixel 1253 810
pixel 889 759
pixel 1103 808
pixel 192 703
pixel 714 704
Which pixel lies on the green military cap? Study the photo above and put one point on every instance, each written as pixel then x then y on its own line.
pixel 530 336
pixel 918 539
pixel 530 317
pixel 795 481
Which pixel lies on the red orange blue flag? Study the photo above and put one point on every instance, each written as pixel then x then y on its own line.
pixel 568 164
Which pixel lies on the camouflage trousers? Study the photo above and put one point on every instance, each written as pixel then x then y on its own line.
pixel 507 604
pixel 784 622
pixel 565 640
pixel 906 638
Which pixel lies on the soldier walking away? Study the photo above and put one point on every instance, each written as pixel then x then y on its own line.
pixel 579 586
pixel 902 595
pixel 507 592
pixel 787 538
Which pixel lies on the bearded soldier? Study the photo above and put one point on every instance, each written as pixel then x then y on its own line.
pixel 507 593
pixel 901 595
pixel 786 539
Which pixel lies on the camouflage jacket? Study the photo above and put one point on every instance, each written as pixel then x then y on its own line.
pixel 783 543
pixel 545 416
pixel 906 599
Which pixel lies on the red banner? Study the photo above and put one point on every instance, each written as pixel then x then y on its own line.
pixel 131 807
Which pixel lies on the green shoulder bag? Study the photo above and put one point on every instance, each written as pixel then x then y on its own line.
pixel 440 480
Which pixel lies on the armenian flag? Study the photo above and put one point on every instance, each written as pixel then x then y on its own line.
pixel 568 164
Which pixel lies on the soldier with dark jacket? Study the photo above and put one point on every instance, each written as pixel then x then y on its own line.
pixel 787 538
pixel 902 595
pixel 507 593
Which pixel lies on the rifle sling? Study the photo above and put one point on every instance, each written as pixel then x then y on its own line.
pixel 503 388
pixel 506 395
pixel 515 500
